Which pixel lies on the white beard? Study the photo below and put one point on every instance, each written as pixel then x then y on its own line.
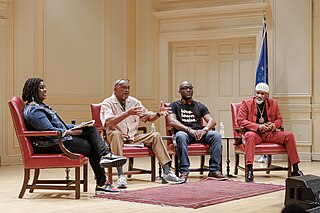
pixel 259 101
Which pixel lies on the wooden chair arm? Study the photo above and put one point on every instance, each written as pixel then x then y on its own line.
pixel 52 133
pixel 240 130
pixel 173 138
pixel 65 150
pixel 39 133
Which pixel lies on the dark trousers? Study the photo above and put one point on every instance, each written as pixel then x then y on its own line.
pixel 90 144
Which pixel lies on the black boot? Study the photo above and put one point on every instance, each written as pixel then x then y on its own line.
pixel 296 171
pixel 249 175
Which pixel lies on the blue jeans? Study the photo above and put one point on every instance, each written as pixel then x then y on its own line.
pixel 212 138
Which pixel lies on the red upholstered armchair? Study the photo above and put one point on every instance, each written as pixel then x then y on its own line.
pixel 194 149
pixel 261 149
pixel 130 152
pixel 45 161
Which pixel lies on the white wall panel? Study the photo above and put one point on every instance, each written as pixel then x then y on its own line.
pixel 145 47
pixel 225 75
pixel 74 47
pixel 247 77
pixel 118 40
pixel 201 79
pixel 24 39
pixel 292 76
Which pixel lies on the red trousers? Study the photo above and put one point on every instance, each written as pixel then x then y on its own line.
pixel 281 137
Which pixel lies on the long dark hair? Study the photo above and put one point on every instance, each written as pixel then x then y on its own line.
pixel 31 90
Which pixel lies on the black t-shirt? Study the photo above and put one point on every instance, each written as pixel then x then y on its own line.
pixel 189 115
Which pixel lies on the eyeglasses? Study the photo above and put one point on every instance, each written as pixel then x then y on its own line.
pixel 118 81
pixel 186 88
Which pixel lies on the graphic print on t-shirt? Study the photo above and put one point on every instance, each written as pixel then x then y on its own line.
pixel 187 116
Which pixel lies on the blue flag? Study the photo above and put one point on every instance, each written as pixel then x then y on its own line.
pixel 262 69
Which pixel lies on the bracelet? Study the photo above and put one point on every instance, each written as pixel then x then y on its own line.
pixel 206 129
pixel 158 114
pixel 188 129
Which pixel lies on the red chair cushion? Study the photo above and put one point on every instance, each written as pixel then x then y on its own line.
pixel 137 151
pixel 42 161
pixel 193 149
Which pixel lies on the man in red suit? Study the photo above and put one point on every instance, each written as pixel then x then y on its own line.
pixel 260 116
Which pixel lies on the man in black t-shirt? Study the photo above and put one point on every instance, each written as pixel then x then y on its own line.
pixel 186 118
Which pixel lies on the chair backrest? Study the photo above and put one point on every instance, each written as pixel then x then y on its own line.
pixel 234 112
pixel 168 123
pixel 95 113
pixel 16 106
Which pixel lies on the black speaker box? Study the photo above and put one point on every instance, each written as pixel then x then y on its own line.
pixel 303 191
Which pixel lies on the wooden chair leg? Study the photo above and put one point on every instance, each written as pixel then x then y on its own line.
pixel 202 159
pixel 236 163
pixel 159 171
pixel 35 179
pixel 67 170
pixel 130 166
pixel 245 166
pixel 77 182
pixel 25 182
pixel 269 160
pixel 85 177
pixel 289 167
pixel 110 175
pixel 153 168
pixel 176 165
pixel 220 165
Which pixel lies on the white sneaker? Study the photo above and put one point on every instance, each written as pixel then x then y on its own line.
pixel 106 189
pixel 263 159
pixel 122 182
pixel 112 160
pixel 171 178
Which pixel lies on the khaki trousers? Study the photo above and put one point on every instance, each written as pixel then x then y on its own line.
pixel 153 140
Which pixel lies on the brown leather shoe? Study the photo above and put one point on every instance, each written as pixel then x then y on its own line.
pixel 184 176
pixel 217 175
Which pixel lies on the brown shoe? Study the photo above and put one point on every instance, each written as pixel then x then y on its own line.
pixel 217 175
pixel 184 176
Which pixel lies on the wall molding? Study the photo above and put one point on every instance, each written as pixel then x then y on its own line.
pixel 3 9
pixel 315 108
pixel 212 11
pixel 315 156
pixel 302 129
pixel 4 28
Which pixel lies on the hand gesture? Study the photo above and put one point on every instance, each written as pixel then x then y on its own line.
pixel 136 110
pixel 163 110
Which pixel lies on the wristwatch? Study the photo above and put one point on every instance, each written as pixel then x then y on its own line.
pixel 158 114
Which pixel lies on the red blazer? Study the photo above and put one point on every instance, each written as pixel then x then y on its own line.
pixel 247 115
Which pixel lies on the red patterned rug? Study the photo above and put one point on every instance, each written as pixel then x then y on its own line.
pixel 195 194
